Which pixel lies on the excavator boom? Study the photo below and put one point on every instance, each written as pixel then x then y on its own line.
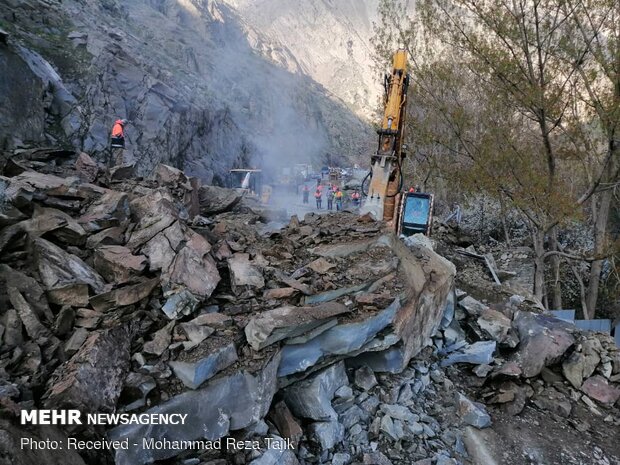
pixel 386 177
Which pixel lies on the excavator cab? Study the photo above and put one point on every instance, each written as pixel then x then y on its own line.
pixel 416 215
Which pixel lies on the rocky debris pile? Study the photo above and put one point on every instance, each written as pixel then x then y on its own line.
pixel 162 295
pixel 511 359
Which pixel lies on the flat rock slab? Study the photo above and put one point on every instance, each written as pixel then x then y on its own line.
pixel 225 404
pixel 194 374
pixel 275 325
pixel 92 379
pixel 59 268
pixel 341 340
pixel 123 296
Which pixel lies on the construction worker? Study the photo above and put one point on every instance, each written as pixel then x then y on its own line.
pixel 306 193
pixel 355 196
pixel 338 196
pixel 330 199
pixel 318 195
pixel 117 141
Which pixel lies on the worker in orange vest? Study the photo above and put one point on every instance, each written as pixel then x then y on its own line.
pixel 318 196
pixel 117 141
pixel 338 196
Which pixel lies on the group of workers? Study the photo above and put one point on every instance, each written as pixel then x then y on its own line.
pixel 332 194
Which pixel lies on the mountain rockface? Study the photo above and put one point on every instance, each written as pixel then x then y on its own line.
pixel 183 72
pixel 329 40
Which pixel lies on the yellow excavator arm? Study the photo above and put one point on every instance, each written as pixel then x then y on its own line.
pixel 386 177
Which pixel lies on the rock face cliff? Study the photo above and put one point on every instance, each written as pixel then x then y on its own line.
pixel 329 40
pixel 185 73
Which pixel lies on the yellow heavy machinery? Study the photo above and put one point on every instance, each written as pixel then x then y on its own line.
pixel 409 213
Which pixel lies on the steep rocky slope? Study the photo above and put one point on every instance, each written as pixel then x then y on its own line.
pixel 197 94
pixel 330 41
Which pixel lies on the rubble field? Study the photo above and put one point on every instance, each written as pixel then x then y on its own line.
pixel 160 295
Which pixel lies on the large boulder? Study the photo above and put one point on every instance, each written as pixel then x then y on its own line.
pixel 92 379
pixel 193 268
pixel 153 213
pixel 222 405
pixel 215 199
pixel 544 340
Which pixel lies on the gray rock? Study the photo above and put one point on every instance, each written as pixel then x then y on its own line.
pixel 195 334
pixel 28 317
pixel 388 427
pixel 274 325
pixel 193 267
pixel 399 412
pixel 448 312
pixel 109 210
pixel 75 341
pixel 472 413
pixel 311 398
pixel 212 413
pixel 472 306
pixel 352 416
pixel 497 326
pixel 138 386
pixel 414 428
pixel 365 378
pixel 341 459
pixel 337 341
pixel 180 304
pixel 482 371
pixel 160 340
pixel 376 458
pixel 244 273
pixel 59 268
pixel 582 363
pixel 326 434
pixel 196 373
pixel 215 199
pixel 478 353
pixel 544 340
pixel 344 392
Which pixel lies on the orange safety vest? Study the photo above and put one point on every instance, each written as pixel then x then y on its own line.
pixel 117 129
pixel 338 194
